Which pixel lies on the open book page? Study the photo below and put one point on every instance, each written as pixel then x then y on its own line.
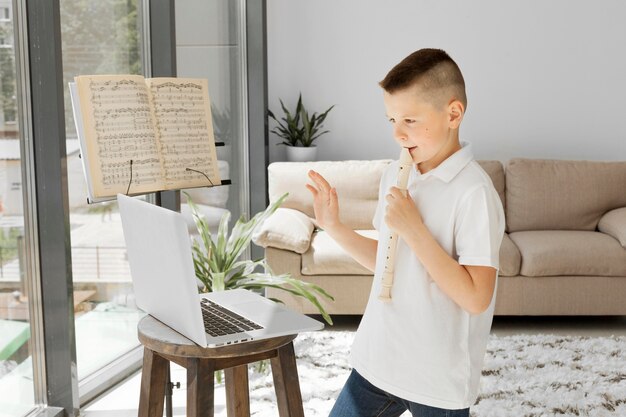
pixel 185 131
pixel 119 126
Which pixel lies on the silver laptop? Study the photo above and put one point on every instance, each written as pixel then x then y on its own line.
pixel 161 265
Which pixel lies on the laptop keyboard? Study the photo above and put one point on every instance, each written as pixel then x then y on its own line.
pixel 219 321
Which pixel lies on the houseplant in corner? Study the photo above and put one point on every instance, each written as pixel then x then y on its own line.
pixel 299 130
pixel 218 267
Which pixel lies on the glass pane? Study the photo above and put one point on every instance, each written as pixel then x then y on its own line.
pixel 98 37
pixel 209 46
pixel 16 372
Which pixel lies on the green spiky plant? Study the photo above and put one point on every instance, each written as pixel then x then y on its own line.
pixel 219 267
pixel 298 128
pixel 291 130
pixel 311 126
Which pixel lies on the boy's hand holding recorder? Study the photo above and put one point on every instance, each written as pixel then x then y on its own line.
pixel 402 216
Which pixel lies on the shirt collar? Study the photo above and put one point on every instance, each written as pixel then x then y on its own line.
pixel 451 166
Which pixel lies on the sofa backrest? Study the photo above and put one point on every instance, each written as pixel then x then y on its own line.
pixel 495 169
pixel 356 183
pixel 565 195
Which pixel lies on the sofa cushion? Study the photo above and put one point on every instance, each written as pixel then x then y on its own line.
pixel 356 183
pixel 326 257
pixel 562 195
pixel 613 224
pixel 495 170
pixel 510 258
pixel 285 229
pixel 569 252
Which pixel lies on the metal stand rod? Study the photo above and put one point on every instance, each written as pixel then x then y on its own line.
pixel 169 390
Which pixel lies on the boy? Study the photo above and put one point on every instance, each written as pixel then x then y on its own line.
pixel 423 351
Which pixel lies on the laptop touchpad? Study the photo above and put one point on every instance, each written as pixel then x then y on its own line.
pixel 260 312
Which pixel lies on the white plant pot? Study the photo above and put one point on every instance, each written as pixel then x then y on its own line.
pixel 301 153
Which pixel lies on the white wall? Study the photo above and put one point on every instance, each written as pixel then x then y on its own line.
pixel 545 79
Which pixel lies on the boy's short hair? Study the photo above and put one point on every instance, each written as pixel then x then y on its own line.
pixel 433 71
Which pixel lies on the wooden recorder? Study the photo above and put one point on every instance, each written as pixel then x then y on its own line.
pixel 405 164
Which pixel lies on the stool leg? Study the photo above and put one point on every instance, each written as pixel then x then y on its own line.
pixel 200 386
pixel 286 382
pixel 153 377
pixel 237 397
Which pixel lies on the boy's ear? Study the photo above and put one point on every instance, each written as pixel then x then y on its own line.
pixel 456 110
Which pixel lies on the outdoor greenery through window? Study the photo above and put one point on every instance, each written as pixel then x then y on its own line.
pixel 98 37
pixel 16 371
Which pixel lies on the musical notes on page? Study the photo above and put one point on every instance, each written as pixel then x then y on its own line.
pixel 185 131
pixel 142 135
pixel 122 129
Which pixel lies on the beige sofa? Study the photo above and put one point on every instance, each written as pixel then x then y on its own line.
pixel 564 252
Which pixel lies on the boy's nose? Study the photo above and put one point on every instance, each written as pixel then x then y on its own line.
pixel 399 134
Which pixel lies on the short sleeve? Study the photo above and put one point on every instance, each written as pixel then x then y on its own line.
pixel 382 191
pixel 479 228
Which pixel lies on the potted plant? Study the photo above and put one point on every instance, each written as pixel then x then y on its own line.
pixel 218 267
pixel 299 130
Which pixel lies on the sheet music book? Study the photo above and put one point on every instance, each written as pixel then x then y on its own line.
pixel 152 133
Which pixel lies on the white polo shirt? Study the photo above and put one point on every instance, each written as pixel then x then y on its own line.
pixel 422 346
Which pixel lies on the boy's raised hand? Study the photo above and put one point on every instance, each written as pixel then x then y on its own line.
pixel 325 203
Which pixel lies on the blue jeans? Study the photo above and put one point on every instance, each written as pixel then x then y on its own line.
pixel 359 398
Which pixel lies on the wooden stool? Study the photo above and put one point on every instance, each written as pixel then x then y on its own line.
pixel 162 345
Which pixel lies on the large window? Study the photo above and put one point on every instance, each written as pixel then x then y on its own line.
pixel 16 371
pixel 98 37
pixel 37 335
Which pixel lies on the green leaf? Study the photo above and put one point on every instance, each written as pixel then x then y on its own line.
pixel 311 125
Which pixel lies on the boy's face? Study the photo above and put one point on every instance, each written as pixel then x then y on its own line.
pixel 430 133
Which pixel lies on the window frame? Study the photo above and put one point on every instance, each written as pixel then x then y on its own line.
pixel 41 119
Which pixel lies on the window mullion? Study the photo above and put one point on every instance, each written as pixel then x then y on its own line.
pixel 51 221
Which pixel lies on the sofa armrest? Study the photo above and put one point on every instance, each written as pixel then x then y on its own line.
pixel 287 228
pixel 613 223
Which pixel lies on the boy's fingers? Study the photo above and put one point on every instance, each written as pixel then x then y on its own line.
pixel 319 180
pixel 312 189
pixel 333 197
pixel 396 192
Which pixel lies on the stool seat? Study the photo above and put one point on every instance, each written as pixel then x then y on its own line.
pixel 163 345
pixel 160 338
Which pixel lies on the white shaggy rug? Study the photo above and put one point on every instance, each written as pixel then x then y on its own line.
pixel 523 376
